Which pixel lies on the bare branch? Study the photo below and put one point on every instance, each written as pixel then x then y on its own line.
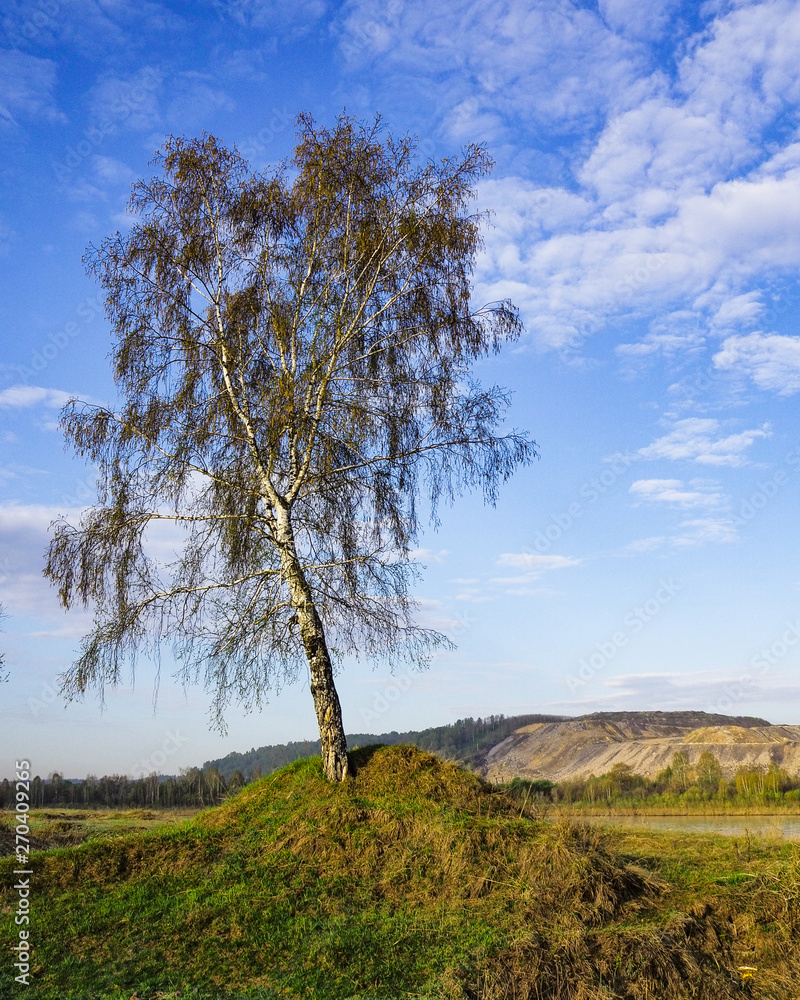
pixel 294 360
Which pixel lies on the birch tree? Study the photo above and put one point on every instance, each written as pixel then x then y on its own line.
pixel 293 356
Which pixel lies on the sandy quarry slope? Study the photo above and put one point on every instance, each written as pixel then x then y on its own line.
pixel 646 741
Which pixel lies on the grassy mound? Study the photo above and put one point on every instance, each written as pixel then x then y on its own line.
pixel 415 878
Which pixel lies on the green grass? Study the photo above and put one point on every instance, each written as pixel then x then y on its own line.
pixel 57 827
pixel 413 879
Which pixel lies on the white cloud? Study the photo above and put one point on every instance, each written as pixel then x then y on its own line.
pixel 551 62
pixel 696 439
pixel 23 396
pixel 23 542
pixel 428 555
pixel 532 566
pixel 677 333
pixel 521 208
pixel 473 597
pixel 194 98
pixel 644 545
pixel 651 155
pixel 712 691
pixel 680 200
pixel 637 20
pixel 27 84
pixel 112 171
pixel 91 26
pixel 741 310
pixel 25 533
pixel 771 360
pixel 569 284
pixel 672 491
pixel 132 100
pixel 432 614
pixel 533 592
pixel 289 17
pixel 684 199
pixel 706 529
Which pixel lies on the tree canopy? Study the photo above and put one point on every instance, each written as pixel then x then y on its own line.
pixel 293 353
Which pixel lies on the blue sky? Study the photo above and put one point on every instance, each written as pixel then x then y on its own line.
pixel 646 220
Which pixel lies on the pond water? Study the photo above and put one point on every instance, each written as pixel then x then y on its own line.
pixel 787 827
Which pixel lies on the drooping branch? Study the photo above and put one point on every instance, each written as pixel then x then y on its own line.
pixel 294 357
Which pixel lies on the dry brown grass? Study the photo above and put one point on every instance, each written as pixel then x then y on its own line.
pixel 415 862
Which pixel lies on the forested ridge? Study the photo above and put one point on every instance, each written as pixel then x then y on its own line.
pixel 466 741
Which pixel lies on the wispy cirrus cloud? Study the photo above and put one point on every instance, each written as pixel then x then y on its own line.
pixel 27 88
pixel 530 567
pixel 672 491
pixel 19 397
pixel 703 530
pixel 287 17
pixel 551 62
pixel 534 563
pixel 130 99
pixel 681 199
pixel 698 440
pixel 772 361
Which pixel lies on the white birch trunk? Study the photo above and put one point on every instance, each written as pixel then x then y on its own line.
pixel 323 689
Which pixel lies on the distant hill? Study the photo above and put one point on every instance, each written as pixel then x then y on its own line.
pixel 560 748
pixel 644 741
pixel 466 741
pixel 689 718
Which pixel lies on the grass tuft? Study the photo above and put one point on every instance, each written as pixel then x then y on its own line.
pixel 414 878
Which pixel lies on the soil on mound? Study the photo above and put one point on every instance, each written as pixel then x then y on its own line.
pixel 8 842
pixel 414 876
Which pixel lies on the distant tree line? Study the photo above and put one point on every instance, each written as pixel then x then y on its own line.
pixel 193 787
pixel 681 784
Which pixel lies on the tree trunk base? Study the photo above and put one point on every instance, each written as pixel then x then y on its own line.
pixel 335 765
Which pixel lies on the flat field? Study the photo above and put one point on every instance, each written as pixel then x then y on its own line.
pixel 415 879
